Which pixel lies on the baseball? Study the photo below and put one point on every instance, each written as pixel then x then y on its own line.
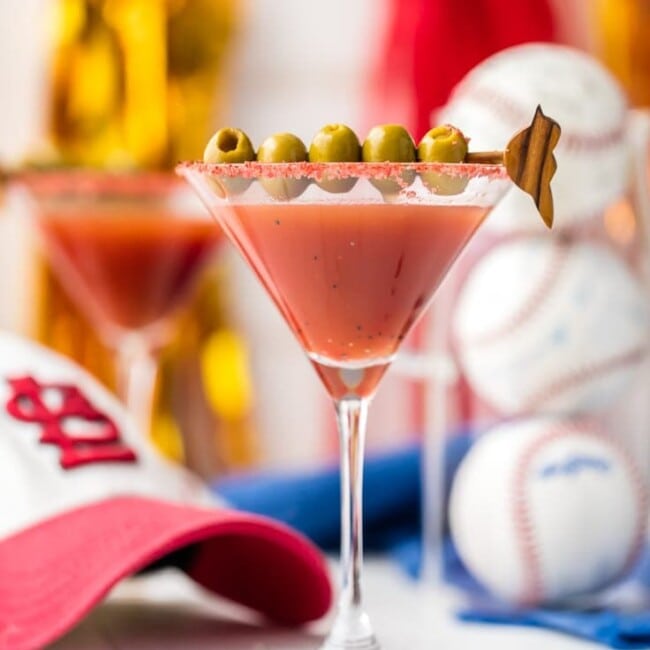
pixel 545 509
pixel 499 96
pixel 542 325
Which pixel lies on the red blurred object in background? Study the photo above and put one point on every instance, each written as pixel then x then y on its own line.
pixel 429 45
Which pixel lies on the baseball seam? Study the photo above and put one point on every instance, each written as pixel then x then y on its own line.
pixel 536 298
pixel 516 115
pixel 641 496
pixel 532 305
pixel 583 375
pixel 533 585
pixel 533 582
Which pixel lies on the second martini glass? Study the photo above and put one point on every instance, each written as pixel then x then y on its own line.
pixel 351 271
pixel 126 247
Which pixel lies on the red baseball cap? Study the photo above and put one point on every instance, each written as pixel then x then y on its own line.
pixel 86 501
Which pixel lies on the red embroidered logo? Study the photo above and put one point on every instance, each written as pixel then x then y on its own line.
pixel 98 441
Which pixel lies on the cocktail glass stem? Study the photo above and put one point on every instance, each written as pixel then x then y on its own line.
pixel 136 378
pixel 352 626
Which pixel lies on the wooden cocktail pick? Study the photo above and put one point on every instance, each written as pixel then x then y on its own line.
pixel 529 160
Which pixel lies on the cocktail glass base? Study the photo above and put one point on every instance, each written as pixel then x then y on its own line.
pixel 351 631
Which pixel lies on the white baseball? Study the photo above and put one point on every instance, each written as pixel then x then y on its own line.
pixel 545 509
pixel 499 96
pixel 547 326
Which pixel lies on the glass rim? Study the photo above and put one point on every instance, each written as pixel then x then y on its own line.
pixel 340 170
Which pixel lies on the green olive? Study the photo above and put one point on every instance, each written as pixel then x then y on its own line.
pixel 445 144
pixel 389 143
pixel 283 148
pixel 335 143
pixel 227 146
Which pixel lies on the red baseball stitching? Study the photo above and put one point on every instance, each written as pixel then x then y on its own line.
pixel 531 305
pixel 583 374
pixel 641 495
pixel 517 115
pixel 533 590
pixel 535 299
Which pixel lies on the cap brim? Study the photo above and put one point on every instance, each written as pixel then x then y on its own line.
pixel 53 573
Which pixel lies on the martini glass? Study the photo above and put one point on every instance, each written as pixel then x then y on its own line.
pixel 351 261
pixel 126 247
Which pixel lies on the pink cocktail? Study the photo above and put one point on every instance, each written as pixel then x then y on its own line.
pixel 352 279
pixel 127 248
pixel 351 271
pixel 128 272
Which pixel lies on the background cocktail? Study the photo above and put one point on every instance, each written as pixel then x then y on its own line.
pixel 127 248
pixel 135 85
pixel 129 267
pixel 350 272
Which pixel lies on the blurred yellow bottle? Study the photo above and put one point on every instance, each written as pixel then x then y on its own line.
pixel 140 84
pixel 622 41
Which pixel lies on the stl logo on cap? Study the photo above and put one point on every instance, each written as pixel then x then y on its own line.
pixel 98 442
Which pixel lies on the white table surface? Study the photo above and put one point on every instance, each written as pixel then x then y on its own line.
pixel 167 612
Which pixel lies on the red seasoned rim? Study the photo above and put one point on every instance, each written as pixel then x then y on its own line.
pixel 101 182
pixel 335 170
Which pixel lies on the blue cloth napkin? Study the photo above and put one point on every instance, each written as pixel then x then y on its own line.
pixel 309 502
pixel 616 629
pixel 608 627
